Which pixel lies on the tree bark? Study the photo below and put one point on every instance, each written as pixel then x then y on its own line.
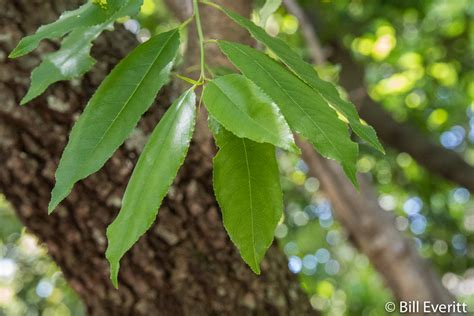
pixel 185 264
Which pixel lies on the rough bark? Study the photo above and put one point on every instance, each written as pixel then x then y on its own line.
pixel 185 265
pixel 371 229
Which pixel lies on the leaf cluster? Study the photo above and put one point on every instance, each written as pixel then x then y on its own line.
pixel 250 114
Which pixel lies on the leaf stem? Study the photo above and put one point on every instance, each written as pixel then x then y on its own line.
pixel 200 98
pixel 188 80
pixel 201 40
pixel 212 4
pixel 210 41
pixel 185 23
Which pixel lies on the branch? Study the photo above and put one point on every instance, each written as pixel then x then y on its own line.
pixel 402 137
pixel 371 228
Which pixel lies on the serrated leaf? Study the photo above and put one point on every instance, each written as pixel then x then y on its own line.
pixel 114 110
pixel 72 59
pixel 243 109
pixel 308 74
pixel 247 188
pixel 157 166
pixel 267 10
pixel 303 108
pixel 89 14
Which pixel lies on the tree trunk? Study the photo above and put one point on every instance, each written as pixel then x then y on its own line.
pixel 185 264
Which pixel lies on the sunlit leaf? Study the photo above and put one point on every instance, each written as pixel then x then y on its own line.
pixel 114 110
pixel 157 167
pixel 243 109
pixel 304 109
pixel 247 188
pixel 308 74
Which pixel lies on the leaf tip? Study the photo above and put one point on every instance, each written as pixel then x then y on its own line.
pixel 51 208
pixel 32 93
pixel 354 181
pixel 114 268
pixel 114 279
pixel 52 203
pixel 375 143
pixel 380 148
pixel 351 173
pixel 14 54
pixel 252 261
pixel 20 50
pixel 356 185
pixel 55 200
pixel 294 149
pixel 255 268
pixel 25 100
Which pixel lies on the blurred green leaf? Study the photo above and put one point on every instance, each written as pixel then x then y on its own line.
pixel 267 10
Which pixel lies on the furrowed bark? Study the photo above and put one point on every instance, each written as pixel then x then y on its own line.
pixel 185 264
pixel 371 229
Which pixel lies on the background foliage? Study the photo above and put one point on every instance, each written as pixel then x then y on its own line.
pixel 418 59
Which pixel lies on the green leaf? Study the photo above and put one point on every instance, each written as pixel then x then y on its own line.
pixel 247 188
pixel 308 74
pixel 114 110
pixel 243 109
pixel 72 59
pixel 157 167
pixel 267 10
pixel 304 109
pixel 89 14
